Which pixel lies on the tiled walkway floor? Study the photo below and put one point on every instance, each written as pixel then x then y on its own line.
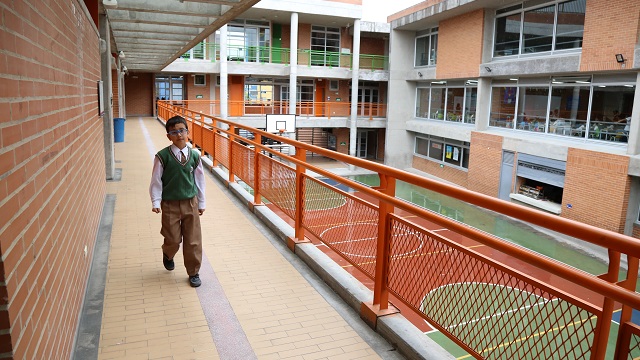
pixel 253 302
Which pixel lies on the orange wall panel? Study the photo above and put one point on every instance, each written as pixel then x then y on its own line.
pixel 460 46
pixel 611 27
pixel 596 180
pixel 484 163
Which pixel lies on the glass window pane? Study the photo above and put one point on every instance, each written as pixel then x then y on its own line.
pixel 437 103
pixel 423 103
pixel 570 28
pixel 532 108
pixel 611 112
pixel 433 49
pixel 470 103
pixel 422 57
pixel 455 100
pixel 452 154
pixel 503 106
pixel 436 150
pixel 538 29
pixel 507 40
pixel 572 103
pixel 465 158
pixel 421 146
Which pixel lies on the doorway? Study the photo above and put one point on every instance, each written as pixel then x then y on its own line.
pixel 367 144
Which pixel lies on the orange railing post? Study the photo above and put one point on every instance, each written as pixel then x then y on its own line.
pixel 380 291
pixel 231 134
pixel 257 199
pixel 301 154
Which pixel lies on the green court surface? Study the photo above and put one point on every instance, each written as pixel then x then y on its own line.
pixel 508 323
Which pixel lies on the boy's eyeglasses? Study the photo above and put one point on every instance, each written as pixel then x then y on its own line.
pixel 179 131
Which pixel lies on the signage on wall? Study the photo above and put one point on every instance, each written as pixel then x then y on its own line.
pixel 198 96
pixel 343 143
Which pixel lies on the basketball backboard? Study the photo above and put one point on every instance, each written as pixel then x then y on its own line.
pixel 281 123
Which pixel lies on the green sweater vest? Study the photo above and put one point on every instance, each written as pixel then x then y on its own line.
pixel 178 181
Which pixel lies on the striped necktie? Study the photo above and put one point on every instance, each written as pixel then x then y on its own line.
pixel 182 158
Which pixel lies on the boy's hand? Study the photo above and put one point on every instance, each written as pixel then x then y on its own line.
pixel 156 210
pixel 201 211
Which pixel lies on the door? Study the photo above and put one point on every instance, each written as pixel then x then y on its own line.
pixel 506 175
pixel 361 143
pixel 236 95
pixel 319 99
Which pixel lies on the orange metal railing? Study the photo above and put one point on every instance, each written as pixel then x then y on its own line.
pixel 493 298
pixel 326 109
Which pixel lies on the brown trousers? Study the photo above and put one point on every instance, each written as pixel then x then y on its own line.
pixel 181 223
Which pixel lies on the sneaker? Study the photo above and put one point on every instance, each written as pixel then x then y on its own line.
pixel 194 280
pixel 168 263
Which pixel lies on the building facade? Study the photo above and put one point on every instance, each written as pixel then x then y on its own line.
pixel 531 102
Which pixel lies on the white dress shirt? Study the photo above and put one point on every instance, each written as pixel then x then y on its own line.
pixel 155 189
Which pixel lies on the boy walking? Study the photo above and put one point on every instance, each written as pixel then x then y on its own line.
pixel 177 190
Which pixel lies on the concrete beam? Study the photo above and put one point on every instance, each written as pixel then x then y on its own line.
pixel 137 27
pixel 121 35
pixel 159 18
pixel 173 7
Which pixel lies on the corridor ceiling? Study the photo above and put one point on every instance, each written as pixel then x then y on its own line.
pixel 153 33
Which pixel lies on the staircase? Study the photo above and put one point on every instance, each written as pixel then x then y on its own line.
pixel 312 136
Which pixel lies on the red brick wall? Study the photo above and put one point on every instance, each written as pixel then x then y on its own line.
pixel 304 36
pixel 372 46
pixel 114 84
pixel 342 136
pixel 52 173
pixel 195 104
pixel 460 46
pixel 484 163
pixel 595 180
pixel 448 173
pixel 138 88
pixel 610 27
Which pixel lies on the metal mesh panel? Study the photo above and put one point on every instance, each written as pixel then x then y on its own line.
pixel 243 162
pixel 222 150
pixel 207 140
pixel 495 311
pixel 343 222
pixel 633 331
pixel 278 184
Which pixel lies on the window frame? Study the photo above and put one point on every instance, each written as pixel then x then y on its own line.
pixel 432 35
pixel 430 140
pixel 522 11
pixel 196 77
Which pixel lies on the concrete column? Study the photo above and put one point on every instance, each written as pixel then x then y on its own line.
pixel 483 104
pixel 107 117
pixel 633 147
pixel 398 148
pixel 355 71
pixel 224 74
pixel 293 64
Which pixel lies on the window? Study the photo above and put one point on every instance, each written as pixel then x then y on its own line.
pixel 334 85
pixel 427 48
pixel 442 150
pixel 456 102
pixel 325 45
pixel 554 25
pixel 248 41
pixel 199 80
pixel 597 109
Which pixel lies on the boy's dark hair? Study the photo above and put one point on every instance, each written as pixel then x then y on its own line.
pixel 172 122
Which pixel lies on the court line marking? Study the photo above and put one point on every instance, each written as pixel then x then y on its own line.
pixel 533 335
pixel 413 255
pixel 368 239
pixel 503 313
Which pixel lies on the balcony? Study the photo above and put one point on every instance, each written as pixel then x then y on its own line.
pixel 275 55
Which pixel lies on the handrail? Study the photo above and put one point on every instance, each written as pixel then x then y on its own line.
pixel 396 230
pixel 278 55
pixel 309 109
